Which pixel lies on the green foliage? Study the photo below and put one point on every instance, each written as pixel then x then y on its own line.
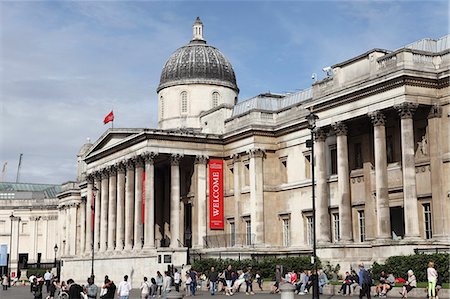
pixel 36 272
pixel 266 266
pixel 399 265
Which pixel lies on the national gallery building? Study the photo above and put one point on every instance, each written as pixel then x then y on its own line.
pixel 225 178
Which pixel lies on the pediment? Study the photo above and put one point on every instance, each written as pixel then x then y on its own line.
pixel 113 137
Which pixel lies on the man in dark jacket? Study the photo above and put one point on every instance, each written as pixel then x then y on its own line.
pixel 213 276
pixel 365 282
pixel 75 289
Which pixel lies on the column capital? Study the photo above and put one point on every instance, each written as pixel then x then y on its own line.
pixel 201 159
pixel 435 111
pixel 149 157
pixel 97 175
pixel 175 159
pixel 406 109
pixel 340 128
pixel 236 158
pixel 112 170
pixel 105 173
pixel 139 161
pixel 130 163
pixel 378 118
pixel 257 153
pixel 90 178
pixel 120 166
pixel 321 135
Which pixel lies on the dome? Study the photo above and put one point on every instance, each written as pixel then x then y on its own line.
pixel 197 63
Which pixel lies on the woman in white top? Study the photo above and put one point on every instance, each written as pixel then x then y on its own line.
pixel 145 289
pixel 432 278
pixel 410 284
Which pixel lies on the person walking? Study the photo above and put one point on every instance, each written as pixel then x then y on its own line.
pixel 259 280
pixel 432 278
pixel 159 282
pixel 5 282
pixel 167 282
pixel 248 276
pixel 177 280
pixel 48 277
pixel 53 288
pixel 124 288
pixel 365 282
pixel 75 289
pixel 91 289
pixel 37 289
pixel 109 289
pixel 145 289
pixel 188 282
pixel 213 277
pixel 193 276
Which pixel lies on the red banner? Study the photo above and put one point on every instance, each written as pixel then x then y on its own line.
pixel 216 215
pixel 143 197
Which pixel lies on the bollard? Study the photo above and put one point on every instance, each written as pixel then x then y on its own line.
pixel 287 291
pixel 174 295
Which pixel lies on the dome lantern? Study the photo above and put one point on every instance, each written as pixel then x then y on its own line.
pixel 197 30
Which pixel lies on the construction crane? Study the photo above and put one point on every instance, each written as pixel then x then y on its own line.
pixel 5 166
pixel 18 168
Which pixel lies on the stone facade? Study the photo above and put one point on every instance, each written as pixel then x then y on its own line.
pixel 382 174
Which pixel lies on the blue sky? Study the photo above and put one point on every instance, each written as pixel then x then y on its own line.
pixel 65 65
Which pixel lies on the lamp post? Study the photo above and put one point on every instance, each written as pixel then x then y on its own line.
pixel 188 237
pixel 311 118
pixel 56 250
pixel 94 191
pixel 11 218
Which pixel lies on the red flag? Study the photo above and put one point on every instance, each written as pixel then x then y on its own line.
pixel 109 117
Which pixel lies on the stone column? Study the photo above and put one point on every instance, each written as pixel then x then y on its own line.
pixel 82 226
pixel 323 217
pixel 120 229
pixel 406 112
pixel 138 237
pixel 257 195
pixel 345 206
pixel 97 210
pixel 381 176
pixel 439 199
pixel 200 164
pixel 89 208
pixel 104 212
pixel 68 230
pixel 175 200
pixel 237 164
pixel 112 204
pixel 149 186
pixel 73 229
pixel 129 205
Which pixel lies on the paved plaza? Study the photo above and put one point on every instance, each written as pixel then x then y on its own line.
pixel 23 292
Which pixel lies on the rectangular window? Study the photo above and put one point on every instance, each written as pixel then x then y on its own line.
pixel 308 166
pixel 333 152
pixel 248 232
pixel 362 226
pixel 336 228
pixel 232 234
pixel 428 219
pixel 309 230
pixel 24 229
pixel 286 233
pixel 358 155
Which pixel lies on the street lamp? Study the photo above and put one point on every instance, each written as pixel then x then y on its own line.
pixel 56 250
pixel 94 190
pixel 311 118
pixel 11 218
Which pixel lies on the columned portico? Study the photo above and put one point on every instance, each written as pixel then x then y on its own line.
pixel 323 221
pixel 175 200
pixel 129 205
pixel 406 112
pixel 257 195
pixel 381 176
pixel 345 208
pixel 112 203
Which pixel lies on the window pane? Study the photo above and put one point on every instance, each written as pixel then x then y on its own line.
pixel 428 219
pixel 362 226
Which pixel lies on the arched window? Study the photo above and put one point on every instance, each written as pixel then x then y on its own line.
pixel 161 105
pixel 184 102
pixel 215 99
